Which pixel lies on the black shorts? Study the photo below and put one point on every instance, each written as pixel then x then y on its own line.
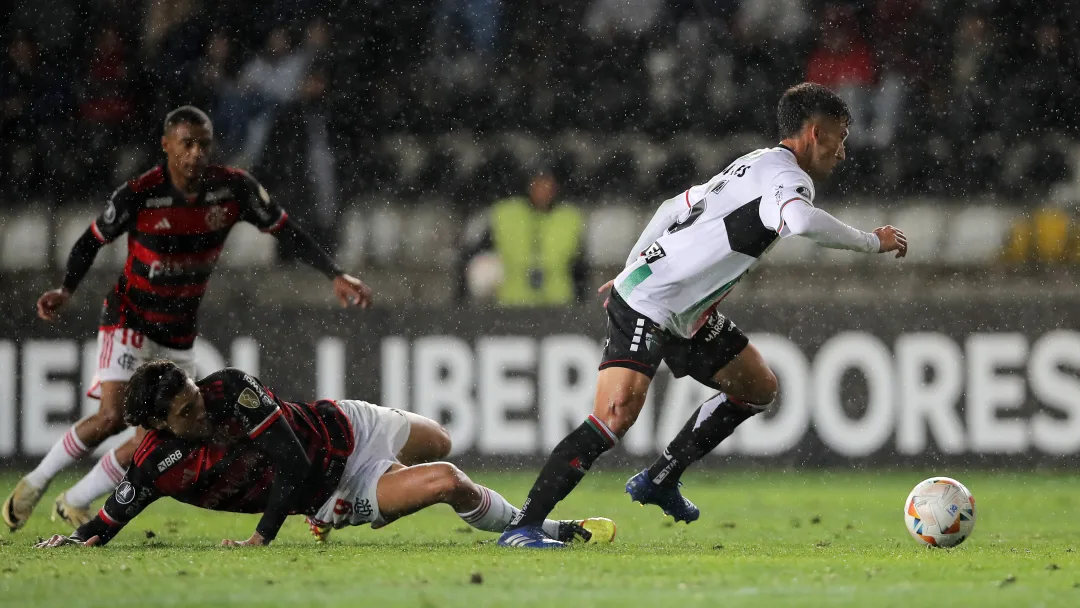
pixel 635 342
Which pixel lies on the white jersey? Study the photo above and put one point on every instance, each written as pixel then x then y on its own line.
pixel 703 241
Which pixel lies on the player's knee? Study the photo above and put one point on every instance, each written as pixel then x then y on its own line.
pixel 447 480
pixel 110 420
pixel 441 443
pixel 765 390
pixel 623 410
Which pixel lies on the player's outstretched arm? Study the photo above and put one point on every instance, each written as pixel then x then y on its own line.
pixel 892 239
pixel 348 289
pixel 79 262
pixel 799 218
pixel 291 465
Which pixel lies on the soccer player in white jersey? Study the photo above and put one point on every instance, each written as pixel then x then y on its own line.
pixel 662 307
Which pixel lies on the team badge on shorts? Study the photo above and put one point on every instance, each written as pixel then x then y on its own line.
pixel 248 399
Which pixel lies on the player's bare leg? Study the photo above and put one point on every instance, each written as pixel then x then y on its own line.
pixel 620 395
pixel 749 386
pixel 80 439
pixel 405 490
pixel 428 441
pixel 73 505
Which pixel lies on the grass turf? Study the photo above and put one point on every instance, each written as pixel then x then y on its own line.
pixel 765 539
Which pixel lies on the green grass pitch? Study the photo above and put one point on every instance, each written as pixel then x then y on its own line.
pixel 773 538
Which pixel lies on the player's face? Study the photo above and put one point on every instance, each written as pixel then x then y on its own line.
pixel 830 135
pixel 188 148
pixel 187 414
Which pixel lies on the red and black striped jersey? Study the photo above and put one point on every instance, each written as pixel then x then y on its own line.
pixel 231 471
pixel 173 246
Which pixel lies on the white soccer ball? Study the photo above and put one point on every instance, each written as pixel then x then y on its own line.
pixel 940 512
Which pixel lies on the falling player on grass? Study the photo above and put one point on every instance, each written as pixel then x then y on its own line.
pixel 227 443
pixel 177 217
pixel 663 306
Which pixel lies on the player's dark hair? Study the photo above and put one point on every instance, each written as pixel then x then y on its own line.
pixel 151 390
pixel 187 115
pixel 804 101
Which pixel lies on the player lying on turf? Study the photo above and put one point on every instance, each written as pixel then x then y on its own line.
pixel 663 306
pixel 227 443
pixel 177 217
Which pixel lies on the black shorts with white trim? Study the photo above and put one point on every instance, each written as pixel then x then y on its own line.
pixel 636 342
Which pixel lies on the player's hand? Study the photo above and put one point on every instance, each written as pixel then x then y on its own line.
pixel 59 540
pixel 892 239
pixel 256 540
pixel 606 286
pixel 351 291
pixel 50 303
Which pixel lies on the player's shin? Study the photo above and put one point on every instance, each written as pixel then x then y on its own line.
pixel 66 451
pixel 101 480
pixel 710 424
pixel 565 468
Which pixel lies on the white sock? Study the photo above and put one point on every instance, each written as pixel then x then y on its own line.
pixel 495 513
pixel 102 479
pixel 66 451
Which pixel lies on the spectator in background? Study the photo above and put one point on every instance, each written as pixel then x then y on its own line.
pixel 467 24
pixel 21 89
pixel 299 166
pixel 107 108
pixel 974 78
pixel 527 250
pixel 214 85
pixel 273 78
pixel 844 63
pixel 1046 89
pixel 770 36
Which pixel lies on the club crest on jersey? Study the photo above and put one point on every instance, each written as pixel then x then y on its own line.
pixel 248 399
pixel 125 493
pixel 216 218
pixel 654 253
pixel 803 190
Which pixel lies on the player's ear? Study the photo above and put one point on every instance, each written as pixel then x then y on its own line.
pixel 164 143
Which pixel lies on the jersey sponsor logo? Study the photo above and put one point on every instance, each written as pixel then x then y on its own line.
pixel 172 269
pixel 715 323
pixel 159 202
pixel 163 224
pixel 653 253
pixel 718 187
pixel 125 493
pixel 216 218
pixel 217 195
pixel 170 460
pixel 248 399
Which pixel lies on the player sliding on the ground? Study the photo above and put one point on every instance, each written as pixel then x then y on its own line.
pixel 227 443
pixel 177 217
pixel 663 307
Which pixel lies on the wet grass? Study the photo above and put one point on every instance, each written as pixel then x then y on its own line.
pixel 765 539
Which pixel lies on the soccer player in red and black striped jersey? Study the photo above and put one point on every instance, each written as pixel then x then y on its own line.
pixel 228 443
pixel 177 217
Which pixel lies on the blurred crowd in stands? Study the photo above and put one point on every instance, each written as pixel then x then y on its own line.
pixel 950 97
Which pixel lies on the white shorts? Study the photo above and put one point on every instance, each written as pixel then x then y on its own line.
pixel 121 351
pixel 380 433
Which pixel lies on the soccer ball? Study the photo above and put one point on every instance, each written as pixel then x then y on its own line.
pixel 940 512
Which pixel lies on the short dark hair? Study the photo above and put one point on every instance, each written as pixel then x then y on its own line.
pixel 151 390
pixel 187 115
pixel 802 102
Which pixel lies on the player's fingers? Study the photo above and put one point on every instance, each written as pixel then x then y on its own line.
pixel 228 543
pixel 606 286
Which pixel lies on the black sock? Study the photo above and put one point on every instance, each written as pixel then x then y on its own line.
pixel 693 443
pixel 564 469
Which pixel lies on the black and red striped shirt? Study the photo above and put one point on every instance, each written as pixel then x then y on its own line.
pixel 173 246
pixel 233 470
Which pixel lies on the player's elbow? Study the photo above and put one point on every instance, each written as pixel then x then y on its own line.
pixel 441 444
